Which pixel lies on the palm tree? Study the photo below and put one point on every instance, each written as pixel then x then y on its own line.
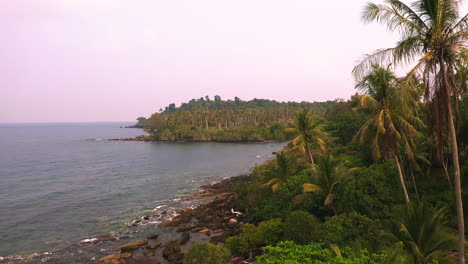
pixel 423 230
pixel 309 133
pixel 433 33
pixel 284 167
pixel 328 175
pixel 390 120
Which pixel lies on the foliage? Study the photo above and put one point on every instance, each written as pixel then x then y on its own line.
pixel 346 125
pixel 371 192
pixel 349 229
pixel 424 231
pixel 206 253
pixel 252 237
pixel 290 253
pixel 327 177
pixel 301 227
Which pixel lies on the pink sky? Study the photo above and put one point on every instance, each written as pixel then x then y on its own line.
pixel 114 60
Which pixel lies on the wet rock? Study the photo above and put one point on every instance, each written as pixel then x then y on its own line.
pixel 185 238
pixel 220 238
pixel 171 248
pixel 153 236
pixel 146 217
pixel 153 246
pixel 140 260
pixel 111 258
pixel 133 245
pixel 185 228
pixel 176 257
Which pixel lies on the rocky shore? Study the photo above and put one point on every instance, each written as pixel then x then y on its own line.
pixel 215 219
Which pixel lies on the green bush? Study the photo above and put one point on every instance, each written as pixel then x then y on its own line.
pixel 206 253
pixel 290 253
pixel 372 192
pixel 266 233
pixel 301 227
pixel 348 229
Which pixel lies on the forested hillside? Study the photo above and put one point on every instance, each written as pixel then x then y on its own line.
pixel 235 120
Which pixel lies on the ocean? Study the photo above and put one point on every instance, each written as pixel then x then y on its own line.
pixel 60 183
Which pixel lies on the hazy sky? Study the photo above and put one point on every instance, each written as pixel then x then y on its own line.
pixel 113 60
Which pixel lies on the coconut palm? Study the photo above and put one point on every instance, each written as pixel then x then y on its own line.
pixel 423 229
pixel 391 118
pixel 309 133
pixel 433 33
pixel 328 175
pixel 284 167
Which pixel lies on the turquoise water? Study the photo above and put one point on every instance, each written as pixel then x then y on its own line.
pixel 63 182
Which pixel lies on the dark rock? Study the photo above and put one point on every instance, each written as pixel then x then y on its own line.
pixel 176 257
pixel 153 236
pixel 185 238
pixel 153 246
pixel 133 245
pixel 220 238
pixel 185 228
pixel 171 248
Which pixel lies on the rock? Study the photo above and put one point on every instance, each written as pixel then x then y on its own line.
pixel 185 238
pixel 185 228
pixel 233 222
pixel 153 236
pixel 176 257
pixel 146 217
pixel 150 254
pixel 237 260
pixel 133 245
pixel 140 260
pixel 153 246
pixel 171 248
pixel 220 238
pixel 105 237
pixel 115 257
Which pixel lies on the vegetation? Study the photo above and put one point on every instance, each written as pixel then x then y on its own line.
pixel 235 120
pixel 206 253
pixel 367 180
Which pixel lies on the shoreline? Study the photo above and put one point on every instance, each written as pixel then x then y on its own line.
pixel 143 138
pixel 205 215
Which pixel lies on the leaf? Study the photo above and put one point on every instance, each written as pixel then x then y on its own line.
pixel 298 199
pixel 329 200
pixel 309 187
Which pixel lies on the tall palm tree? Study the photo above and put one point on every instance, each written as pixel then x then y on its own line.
pixel 434 33
pixel 390 121
pixel 309 133
pixel 423 229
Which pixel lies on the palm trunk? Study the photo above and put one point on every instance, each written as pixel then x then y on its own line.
pixel 414 184
pixel 309 154
pixel 456 169
pixel 458 195
pixel 402 181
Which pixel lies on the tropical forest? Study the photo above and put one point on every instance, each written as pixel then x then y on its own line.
pixel 376 178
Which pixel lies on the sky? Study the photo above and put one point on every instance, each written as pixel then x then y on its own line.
pixel 116 60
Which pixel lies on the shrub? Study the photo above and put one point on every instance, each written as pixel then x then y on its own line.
pixel 206 253
pixel 373 191
pixel 346 229
pixel 290 253
pixel 301 227
pixel 266 233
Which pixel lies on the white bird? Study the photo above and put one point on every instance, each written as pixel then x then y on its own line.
pixel 235 212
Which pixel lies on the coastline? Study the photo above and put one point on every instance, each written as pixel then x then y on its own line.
pixel 144 138
pixel 160 237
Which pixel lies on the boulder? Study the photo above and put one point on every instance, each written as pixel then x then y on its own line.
pixel 133 245
pixel 153 236
pixel 111 258
pixel 171 248
pixel 153 246
pixel 176 257
pixel 185 238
